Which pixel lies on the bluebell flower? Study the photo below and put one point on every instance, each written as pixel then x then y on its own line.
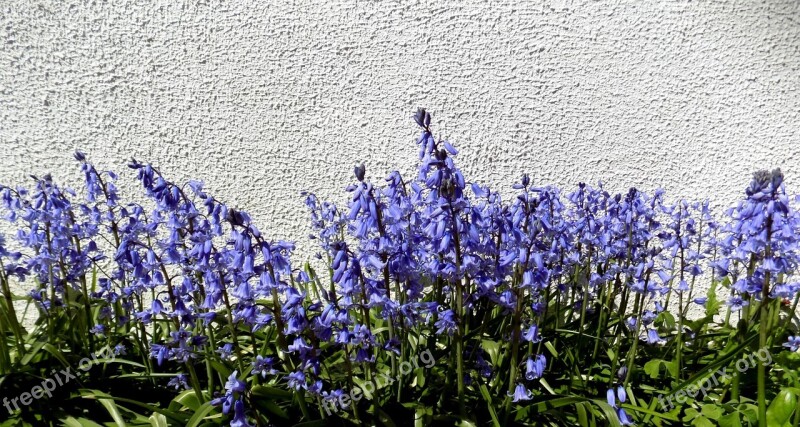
pixel 226 351
pixel 483 366
pixel 520 394
pixel 119 350
pixel 179 382
pixel 446 323
pixel 532 334
pixel 793 344
pixel 239 418
pixel 335 396
pixel 296 380
pixel 653 338
pixel 736 303
pixel 264 366
pixel 234 384
pixel 233 390
pixel 614 397
pixel 535 367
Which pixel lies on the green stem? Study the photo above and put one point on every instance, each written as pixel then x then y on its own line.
pixel 635 347
pixel 459 320
pixel 195 383
pixel 762 372
pixel 763 331
pixel 12 313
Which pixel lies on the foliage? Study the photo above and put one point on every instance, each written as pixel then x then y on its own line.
pixel 442 304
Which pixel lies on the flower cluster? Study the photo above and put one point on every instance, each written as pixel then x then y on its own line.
pixel 438 258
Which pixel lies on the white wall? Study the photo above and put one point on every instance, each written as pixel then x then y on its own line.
pixel 264 99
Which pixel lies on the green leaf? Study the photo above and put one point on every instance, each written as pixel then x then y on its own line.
pixel 730 420
pixel 315 423
pixel 421 415
pixel 691 414
pixel 546 386
pixel 781 408
pixel 711 411
pixel 702 421
pixel 712 304
pixel 609 412
pixel 720 361
pixel 187 399
pixel 583 419
pixel 273 408
pixel 200 415
pixel 108 402
pixel 648 411
pixel 551 349
pixel 751 412
pixel 488 398
pixel 672 368
pixel 158 420
pixel 653 368
pixel 666 319
pixel 80 422
pixel 492 348
pixel 271 392
pixel 362 385
pixel 33 352
pixel 120 361
pixel 175 416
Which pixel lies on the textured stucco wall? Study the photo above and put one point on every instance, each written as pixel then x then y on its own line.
pixel 264 99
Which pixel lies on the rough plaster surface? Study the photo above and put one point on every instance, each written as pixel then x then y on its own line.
pixel 264 99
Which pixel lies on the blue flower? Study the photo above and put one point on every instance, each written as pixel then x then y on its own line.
pixel 793 344
pixel 532 334
pixel 736 303
pixel 535 367
pixel 615 397
pixel 653 338
pixel 179 382
pixel 239 418
pixel 234 385
pixel 446 323
pixel 264 366
pixel 520 394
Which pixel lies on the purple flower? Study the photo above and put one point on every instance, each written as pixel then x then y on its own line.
pixel 793 344
pixel 736 303
pixel 234 385
pixel 535 367
pixel 532 334
pixel 179 382
pixel 239 418
pixel 615 396
pixel 521 394
pixel 296 380
pixel 446 323
pixel 653 338
pixel 264 366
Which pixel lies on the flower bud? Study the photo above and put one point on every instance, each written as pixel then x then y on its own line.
pixel 421 117
pixel 359 171
pixel 622 373
pixel 777 178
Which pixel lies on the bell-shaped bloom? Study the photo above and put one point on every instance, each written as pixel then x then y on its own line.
pixel 520 393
